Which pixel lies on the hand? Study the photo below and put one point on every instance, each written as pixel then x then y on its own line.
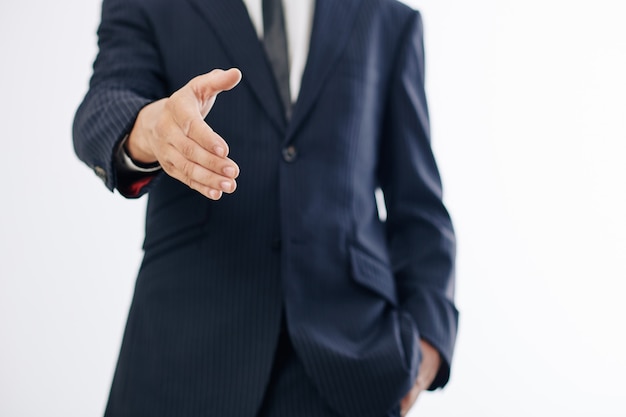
pixel 425 376
pixel 173 132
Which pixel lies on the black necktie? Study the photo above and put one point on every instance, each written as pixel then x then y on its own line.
pixel 275 43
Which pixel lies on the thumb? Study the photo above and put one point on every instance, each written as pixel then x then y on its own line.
pixel 207 86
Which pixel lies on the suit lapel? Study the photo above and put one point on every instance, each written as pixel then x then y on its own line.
pixel 229 19
pixel 332 25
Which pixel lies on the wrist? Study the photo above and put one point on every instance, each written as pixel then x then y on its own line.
pixel 126 164
pixel 138 144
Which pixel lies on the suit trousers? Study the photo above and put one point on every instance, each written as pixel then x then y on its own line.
pixel 290 392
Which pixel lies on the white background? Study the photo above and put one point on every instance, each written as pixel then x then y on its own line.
pixel 528 106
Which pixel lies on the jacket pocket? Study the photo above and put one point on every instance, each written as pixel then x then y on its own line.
pixel 373 274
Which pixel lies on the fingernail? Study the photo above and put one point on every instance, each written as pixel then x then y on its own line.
pixel 229 171
pixel 226 185
pixel 219 151
pixel 214 194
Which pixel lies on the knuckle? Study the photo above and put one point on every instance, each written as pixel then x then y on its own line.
pixel 215 163
pixel 206 177
pixel 188 150
pixel 168 165
pixel 187 169
pixel 211 163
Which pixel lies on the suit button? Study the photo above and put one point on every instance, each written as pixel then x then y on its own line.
pixel 290 153
pixel 100 173
pixel 276 245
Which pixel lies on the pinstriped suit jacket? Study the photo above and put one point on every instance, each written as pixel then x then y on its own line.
pixel 301 235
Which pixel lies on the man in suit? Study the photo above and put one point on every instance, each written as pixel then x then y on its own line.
pixel 270 286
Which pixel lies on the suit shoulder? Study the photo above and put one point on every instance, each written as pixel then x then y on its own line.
pixel 396 12
pixel 395 6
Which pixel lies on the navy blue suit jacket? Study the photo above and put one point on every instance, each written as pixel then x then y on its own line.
pixel 301 235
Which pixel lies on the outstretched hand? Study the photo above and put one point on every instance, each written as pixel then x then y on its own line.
pixel 426 375
pixel 173 132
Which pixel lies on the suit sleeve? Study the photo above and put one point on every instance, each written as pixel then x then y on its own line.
pixel 127 76
pixel 420 233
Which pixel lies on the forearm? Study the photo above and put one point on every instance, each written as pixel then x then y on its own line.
pixel 104 118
